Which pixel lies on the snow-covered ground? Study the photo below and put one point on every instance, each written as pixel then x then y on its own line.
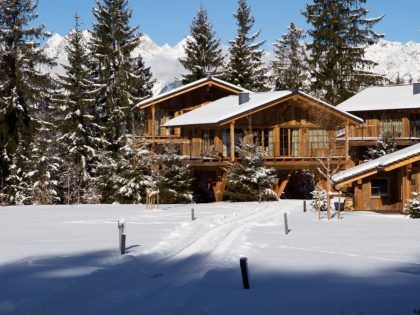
pixel 65 260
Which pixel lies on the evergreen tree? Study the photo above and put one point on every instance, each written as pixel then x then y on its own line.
pixel 116 72
pixel 174 179
pixel 43 169
pixel 319 199
pixel 126 180
pixel 385 145
pixel 79 139
pixel 289 69
pixel 340 35
pixel 22 84
pixel 246 67
pixel 250 180
pixel 202 49
pixel 398 79
pixel 413 206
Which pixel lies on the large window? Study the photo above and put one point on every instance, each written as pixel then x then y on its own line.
pixel 415 126
pixel 226 140
pixel 318 139
pixel 379 187
pixel 264 140
pixel 391 123
pixel 289 142
pixel 208 140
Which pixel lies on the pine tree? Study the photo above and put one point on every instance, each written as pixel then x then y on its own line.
pixel 246 67
pixel 398 79
pixel 385 145
pixel 22 84
pixel 250 180
pixel 413 206
pixel 289 69
pixel 117 74
pixel 202 49
pixel 127 179
pixel 174 179
pixel 44 165
pixel 340 35
pixel 319 198
pixel 79 139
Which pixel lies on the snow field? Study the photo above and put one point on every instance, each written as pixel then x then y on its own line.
pixel 65 260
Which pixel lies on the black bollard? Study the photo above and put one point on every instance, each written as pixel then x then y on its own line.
pixel 304 205
pixel 122 244
pixel 192 214
pixel 286 224
pixel 244 271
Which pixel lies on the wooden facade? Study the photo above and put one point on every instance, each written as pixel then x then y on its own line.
pixel 388 188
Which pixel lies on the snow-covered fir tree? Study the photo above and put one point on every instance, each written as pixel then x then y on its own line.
pixel 117 74
pixel 413 206
pixel 319 198
pixel 245 67
pixel 289 67
pixel 16 183
pixel 385 145
pixel 42 177
pixel 340 33
pixel 79 138
pixel 174 178
pixel 126 179
pixel 249 180
pixel 203 52
pixel 22 84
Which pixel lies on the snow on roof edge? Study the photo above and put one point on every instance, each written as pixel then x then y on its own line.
pixel 186 86
pixel 377 163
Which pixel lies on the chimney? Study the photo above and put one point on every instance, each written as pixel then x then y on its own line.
pixel 243 98
pixel 416 88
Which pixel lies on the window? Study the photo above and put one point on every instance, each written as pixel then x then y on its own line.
pixel 284 142
pixel 208 140
pixel 295 142
pixel 379 187
pixel 391 123
pixel 318 139
pixel 268 144
pixel 226 140
pixel 415 126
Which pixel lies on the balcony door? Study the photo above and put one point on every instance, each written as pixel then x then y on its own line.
pixel 289 142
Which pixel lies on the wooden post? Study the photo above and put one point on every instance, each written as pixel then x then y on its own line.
pixel 318 210
pixel 192 214
pixel 346 139
pixel 339 204
pixel 153 128
pixel 244 271
pixel 232 141
pixel 304 205
pixel 122 244
pixel 286 224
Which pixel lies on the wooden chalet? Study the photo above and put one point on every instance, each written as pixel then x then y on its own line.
pixel 384 108
pixel 293 129
pixel 385 183
pixel 159 109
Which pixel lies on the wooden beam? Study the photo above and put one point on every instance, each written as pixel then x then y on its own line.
pixel 347 130
pixel 402 163
pixel 355 179
pixel 284 183
pixel 232 141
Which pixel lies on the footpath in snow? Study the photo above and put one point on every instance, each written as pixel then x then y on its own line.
pixel 65 260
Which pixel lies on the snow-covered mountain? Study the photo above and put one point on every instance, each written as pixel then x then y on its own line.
pixel 393 58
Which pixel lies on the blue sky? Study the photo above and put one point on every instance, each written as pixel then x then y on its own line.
pixel 167 21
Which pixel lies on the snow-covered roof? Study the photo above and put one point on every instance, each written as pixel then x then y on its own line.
pixel 382 98
pixel 186 87
pixel 229 107
pixel 378 163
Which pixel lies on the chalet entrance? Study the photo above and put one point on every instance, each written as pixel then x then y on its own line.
pixel 296 184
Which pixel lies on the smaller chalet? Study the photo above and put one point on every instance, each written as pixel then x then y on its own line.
pixel 159 109
pixel 393 108
pixel 385 183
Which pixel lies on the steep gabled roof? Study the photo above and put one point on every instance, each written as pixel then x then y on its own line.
pixel 387 162
pixel 188 87
pixel 228 108
pixel 382 98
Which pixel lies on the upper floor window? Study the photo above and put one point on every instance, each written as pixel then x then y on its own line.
pixel 392 124
pixel 208 140
pixel 318 139
pixel 415 125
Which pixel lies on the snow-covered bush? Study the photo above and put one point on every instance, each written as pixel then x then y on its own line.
pixel 413 206
pixel 319 198
pixel 385 145
pixel 250 180
pixel 174 178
